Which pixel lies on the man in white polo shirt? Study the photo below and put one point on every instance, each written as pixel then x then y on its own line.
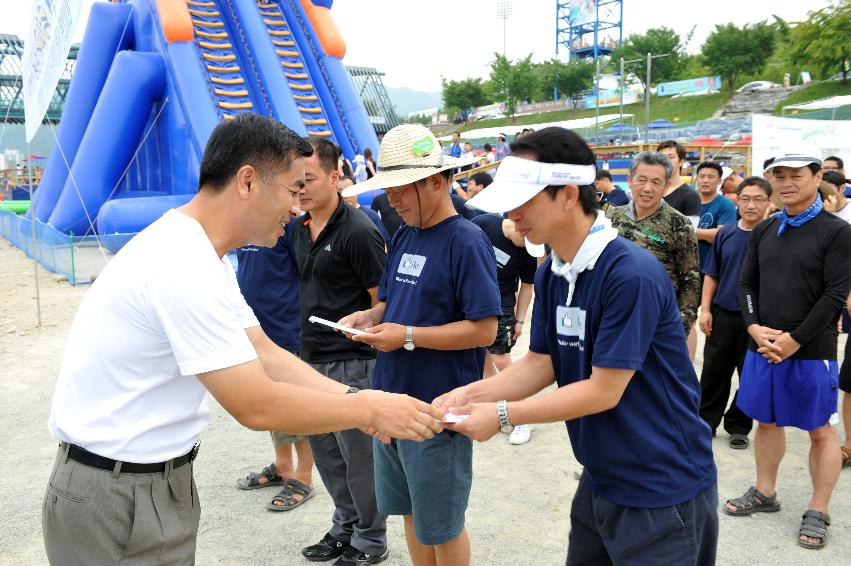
pixel 164 324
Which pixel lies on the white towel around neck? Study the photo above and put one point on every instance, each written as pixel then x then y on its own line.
pixel 599 236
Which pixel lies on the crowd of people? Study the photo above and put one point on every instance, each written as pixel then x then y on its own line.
pixel 432 285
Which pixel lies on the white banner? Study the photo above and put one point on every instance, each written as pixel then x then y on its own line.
pixel 771 134
pixel 45 52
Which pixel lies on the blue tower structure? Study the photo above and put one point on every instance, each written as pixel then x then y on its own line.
pixel 588 28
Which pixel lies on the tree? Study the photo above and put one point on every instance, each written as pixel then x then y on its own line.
pixel 822 40
pixel 657 41
pixel 569 79
pixel 513 83
pixel 730 51
pixel 464 94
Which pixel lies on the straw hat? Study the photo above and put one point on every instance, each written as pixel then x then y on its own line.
pixel 409 153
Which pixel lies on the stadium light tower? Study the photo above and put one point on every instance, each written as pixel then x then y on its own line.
pixel 503 11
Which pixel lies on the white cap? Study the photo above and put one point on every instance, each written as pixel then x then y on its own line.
pixel 796 156
pixel 726 172
pixel 518 180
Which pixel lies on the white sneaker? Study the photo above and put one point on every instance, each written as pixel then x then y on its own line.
pixel 520 435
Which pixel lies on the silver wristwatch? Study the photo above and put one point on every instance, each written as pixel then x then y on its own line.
pixel 409 338
pixel 505 425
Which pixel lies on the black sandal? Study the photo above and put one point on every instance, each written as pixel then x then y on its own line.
pixel 252 481
pixel 814 524
pixel 739 441
pixel 753 501
pixel 287 496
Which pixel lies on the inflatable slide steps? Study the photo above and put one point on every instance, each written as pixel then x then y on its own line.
pixel 294 69
pixel 219 59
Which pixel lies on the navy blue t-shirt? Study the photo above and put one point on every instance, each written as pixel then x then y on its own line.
pixel 721 211
pixel 513 264
pixel 462 208
pixel 615 197
pixel 376 219
pixel 268 279
pixel 435 276
pixel 724 262
pixel 651 450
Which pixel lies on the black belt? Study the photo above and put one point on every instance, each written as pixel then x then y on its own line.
pixel 94 461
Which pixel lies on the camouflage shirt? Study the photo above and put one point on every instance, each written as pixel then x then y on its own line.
pixel 669 236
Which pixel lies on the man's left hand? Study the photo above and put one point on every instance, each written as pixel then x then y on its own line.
pixel 385 337
pixel 482 423
pixel 518 330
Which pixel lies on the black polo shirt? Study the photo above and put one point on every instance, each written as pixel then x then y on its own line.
pixel 513 264
pixel 346 259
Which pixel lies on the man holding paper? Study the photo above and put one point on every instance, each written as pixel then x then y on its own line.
pixel 437 311
pixel 163 326
pixel 607 330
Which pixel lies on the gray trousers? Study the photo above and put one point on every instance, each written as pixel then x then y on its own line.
pixel 344 461
pixel 92 517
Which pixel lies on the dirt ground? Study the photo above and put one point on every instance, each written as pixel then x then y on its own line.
pixel 519 507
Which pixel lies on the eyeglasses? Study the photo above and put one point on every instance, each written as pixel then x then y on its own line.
pixel 756 200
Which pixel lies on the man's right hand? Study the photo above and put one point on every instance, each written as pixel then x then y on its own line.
pixel 705 321
pixel 764 337
pixel 456 398
pixel 359 320
pixel 402 417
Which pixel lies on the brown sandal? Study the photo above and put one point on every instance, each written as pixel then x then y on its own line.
pixel 846 457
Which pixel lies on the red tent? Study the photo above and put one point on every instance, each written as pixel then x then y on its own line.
pixel 747 140
pixel 706 140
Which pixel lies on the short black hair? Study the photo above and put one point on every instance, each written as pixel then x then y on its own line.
pixel 560 145
pixel 487 147
pixel 838 160
pixel 710 165
pixel 603 174
pixel 482 178
pixel 347 178
pixel 767 162
pixel 681 151
pixel 834 178
pixel 249 139
pixel 327 153
pixel 755 182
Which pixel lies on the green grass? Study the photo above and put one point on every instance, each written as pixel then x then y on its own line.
pixel 814 91
pixel 684 110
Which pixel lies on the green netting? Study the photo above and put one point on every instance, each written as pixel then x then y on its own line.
pixel 57 252
pixel 841 113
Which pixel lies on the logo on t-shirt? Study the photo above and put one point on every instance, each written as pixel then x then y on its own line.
pixel 411 264
pixel 501 257
pixel 570 322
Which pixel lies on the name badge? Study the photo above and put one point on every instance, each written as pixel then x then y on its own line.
pixel 412 264
pixel 570 321
pixel 501 257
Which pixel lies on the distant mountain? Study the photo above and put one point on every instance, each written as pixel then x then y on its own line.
pixel 406 100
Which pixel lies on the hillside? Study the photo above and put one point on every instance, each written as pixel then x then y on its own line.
pixel 684 110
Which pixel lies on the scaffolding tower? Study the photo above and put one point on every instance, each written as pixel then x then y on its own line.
pixel 375 99
pixel 12 82
pixel 588 28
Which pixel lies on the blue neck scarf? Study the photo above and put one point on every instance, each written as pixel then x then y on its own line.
pixel 799 219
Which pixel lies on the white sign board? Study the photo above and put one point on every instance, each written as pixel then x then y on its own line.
pixel 771 134
pixel 46 48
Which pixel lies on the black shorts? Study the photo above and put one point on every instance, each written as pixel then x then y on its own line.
pixel 504 334
pixel 845 370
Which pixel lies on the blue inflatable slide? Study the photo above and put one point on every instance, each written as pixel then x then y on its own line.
pixel 152 80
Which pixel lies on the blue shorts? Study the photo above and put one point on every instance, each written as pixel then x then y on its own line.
pixel 430 480
pixel 799 393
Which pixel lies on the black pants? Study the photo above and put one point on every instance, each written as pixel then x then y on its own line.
pixel 723 352
pixel 603 533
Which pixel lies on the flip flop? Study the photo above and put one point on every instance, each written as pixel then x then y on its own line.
pixel 252 481
pixel 286 496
